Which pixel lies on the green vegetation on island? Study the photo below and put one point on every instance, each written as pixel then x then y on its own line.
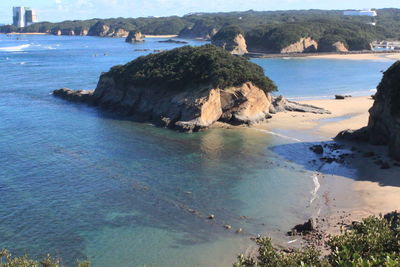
pixel 188 67
pixel 373 242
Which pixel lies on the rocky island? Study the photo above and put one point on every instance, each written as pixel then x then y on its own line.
pixel 187 88
pixel 384 120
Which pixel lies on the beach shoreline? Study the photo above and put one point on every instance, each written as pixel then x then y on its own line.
pixel 343 197
pixel 354 55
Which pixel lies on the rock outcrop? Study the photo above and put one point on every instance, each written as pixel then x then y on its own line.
pixel 334 47
pixel 304 45
pixel 281 104
pixel 187 111
pixel 103 30
pixel 190 98
pixel 237 45
pixel 135 37
pixel 384 120
pixel 199 30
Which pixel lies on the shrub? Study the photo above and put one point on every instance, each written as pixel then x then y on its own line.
pixel 373 242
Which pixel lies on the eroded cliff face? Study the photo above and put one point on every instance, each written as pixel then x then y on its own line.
pixel 191 110
pixel 104 30
pixel 304 45
pixel 335 47
pixel 384 121
pixel 236 46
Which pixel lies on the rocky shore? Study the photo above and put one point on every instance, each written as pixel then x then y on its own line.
pixel 384 121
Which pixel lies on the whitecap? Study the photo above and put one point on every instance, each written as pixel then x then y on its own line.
pixel 15 48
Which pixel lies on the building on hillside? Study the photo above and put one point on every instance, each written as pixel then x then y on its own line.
pixel 24 16
pixel 363 12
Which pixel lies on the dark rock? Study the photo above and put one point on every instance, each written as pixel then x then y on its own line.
pixel 305 228
pixel 385 165
pixel 369 154
pixel 384 120
pixel 340 97
pixel 353 135
pixel 172 41
pixel 317 149
pixel 211 217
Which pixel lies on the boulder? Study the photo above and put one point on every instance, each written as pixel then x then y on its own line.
pixel 134 37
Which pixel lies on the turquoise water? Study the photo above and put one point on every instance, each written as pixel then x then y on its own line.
pixel 80 183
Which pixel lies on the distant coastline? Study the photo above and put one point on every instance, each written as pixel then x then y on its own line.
pixel 333 55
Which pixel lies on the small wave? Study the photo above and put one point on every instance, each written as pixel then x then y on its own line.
pixel 316 187
pixel 15 48
pixel 280 135
pixel 22 63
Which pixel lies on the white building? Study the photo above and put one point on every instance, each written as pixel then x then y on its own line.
pixel 24 16
pixel 363 12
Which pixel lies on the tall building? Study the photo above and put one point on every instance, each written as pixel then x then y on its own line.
pixel 24 16
pixel 363 12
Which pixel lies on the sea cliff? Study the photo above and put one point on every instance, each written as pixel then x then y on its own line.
pixel 384 121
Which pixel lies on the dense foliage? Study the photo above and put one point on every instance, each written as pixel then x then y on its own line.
pixel 373 242
pixel 186 67
pixel 7 260
pixel 266 31
pixel 227 32
pixel 274 37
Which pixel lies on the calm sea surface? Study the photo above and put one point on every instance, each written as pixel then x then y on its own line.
pixel 79 183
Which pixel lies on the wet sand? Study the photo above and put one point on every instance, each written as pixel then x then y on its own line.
pixel 365 189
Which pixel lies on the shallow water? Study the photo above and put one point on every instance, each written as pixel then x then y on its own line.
pixel 79 183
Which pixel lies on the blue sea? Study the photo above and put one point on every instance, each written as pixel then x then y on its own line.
pixel 80 183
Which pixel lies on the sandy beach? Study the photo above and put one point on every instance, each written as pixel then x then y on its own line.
pixel 366 189
pixel 367 56
pixel 160 36
pixel 26 33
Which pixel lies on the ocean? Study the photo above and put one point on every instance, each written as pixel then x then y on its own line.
pixel 80 183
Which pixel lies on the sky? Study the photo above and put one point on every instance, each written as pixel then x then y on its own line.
pixel 59 10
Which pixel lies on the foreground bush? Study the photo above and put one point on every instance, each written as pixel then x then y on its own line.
pixel 373 242
pixel 7 260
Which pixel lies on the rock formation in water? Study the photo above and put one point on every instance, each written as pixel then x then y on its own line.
pixel 304 45
pixel 185 88
pixel 384 120
pixel 231 39
pixel 135 37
